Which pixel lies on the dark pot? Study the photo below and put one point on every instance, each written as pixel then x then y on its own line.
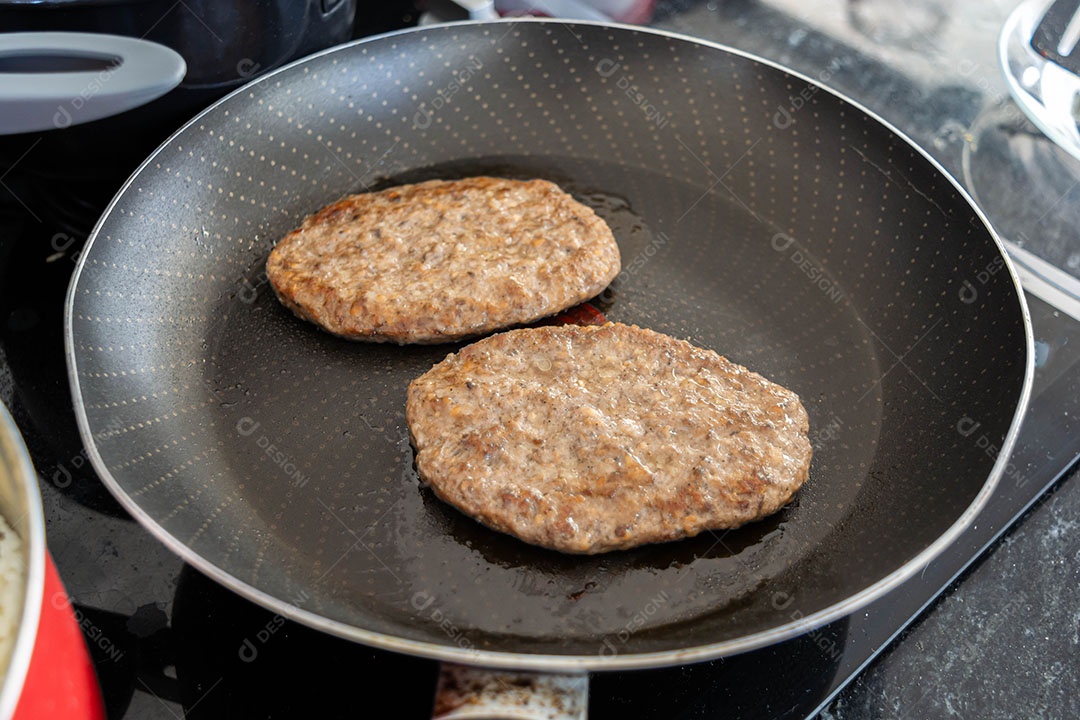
pixel 224 44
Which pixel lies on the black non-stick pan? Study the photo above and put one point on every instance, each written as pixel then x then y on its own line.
pixel 757 214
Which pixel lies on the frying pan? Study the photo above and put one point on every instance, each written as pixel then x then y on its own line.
pixel 757 214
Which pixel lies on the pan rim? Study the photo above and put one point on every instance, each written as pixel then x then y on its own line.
pixel 548 662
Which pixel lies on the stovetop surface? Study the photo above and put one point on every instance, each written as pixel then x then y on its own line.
pixel 1000 642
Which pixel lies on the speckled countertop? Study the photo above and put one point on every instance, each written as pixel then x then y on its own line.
pixel 1003 642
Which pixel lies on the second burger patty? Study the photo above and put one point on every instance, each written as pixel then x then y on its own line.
pixel 590 439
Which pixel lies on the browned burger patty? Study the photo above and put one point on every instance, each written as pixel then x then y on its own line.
pixel 589 439
pixel 443 260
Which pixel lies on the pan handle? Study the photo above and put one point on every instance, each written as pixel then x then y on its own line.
pixel 483 694
pixel 50 80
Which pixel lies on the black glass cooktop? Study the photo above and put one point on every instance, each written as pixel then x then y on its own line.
pixel 168 642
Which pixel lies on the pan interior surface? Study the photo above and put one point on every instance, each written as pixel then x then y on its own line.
pixel 810 244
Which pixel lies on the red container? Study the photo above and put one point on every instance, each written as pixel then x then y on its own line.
pixel 50 675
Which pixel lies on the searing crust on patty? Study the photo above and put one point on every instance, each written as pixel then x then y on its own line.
pixel 443 260
pixel 590 439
